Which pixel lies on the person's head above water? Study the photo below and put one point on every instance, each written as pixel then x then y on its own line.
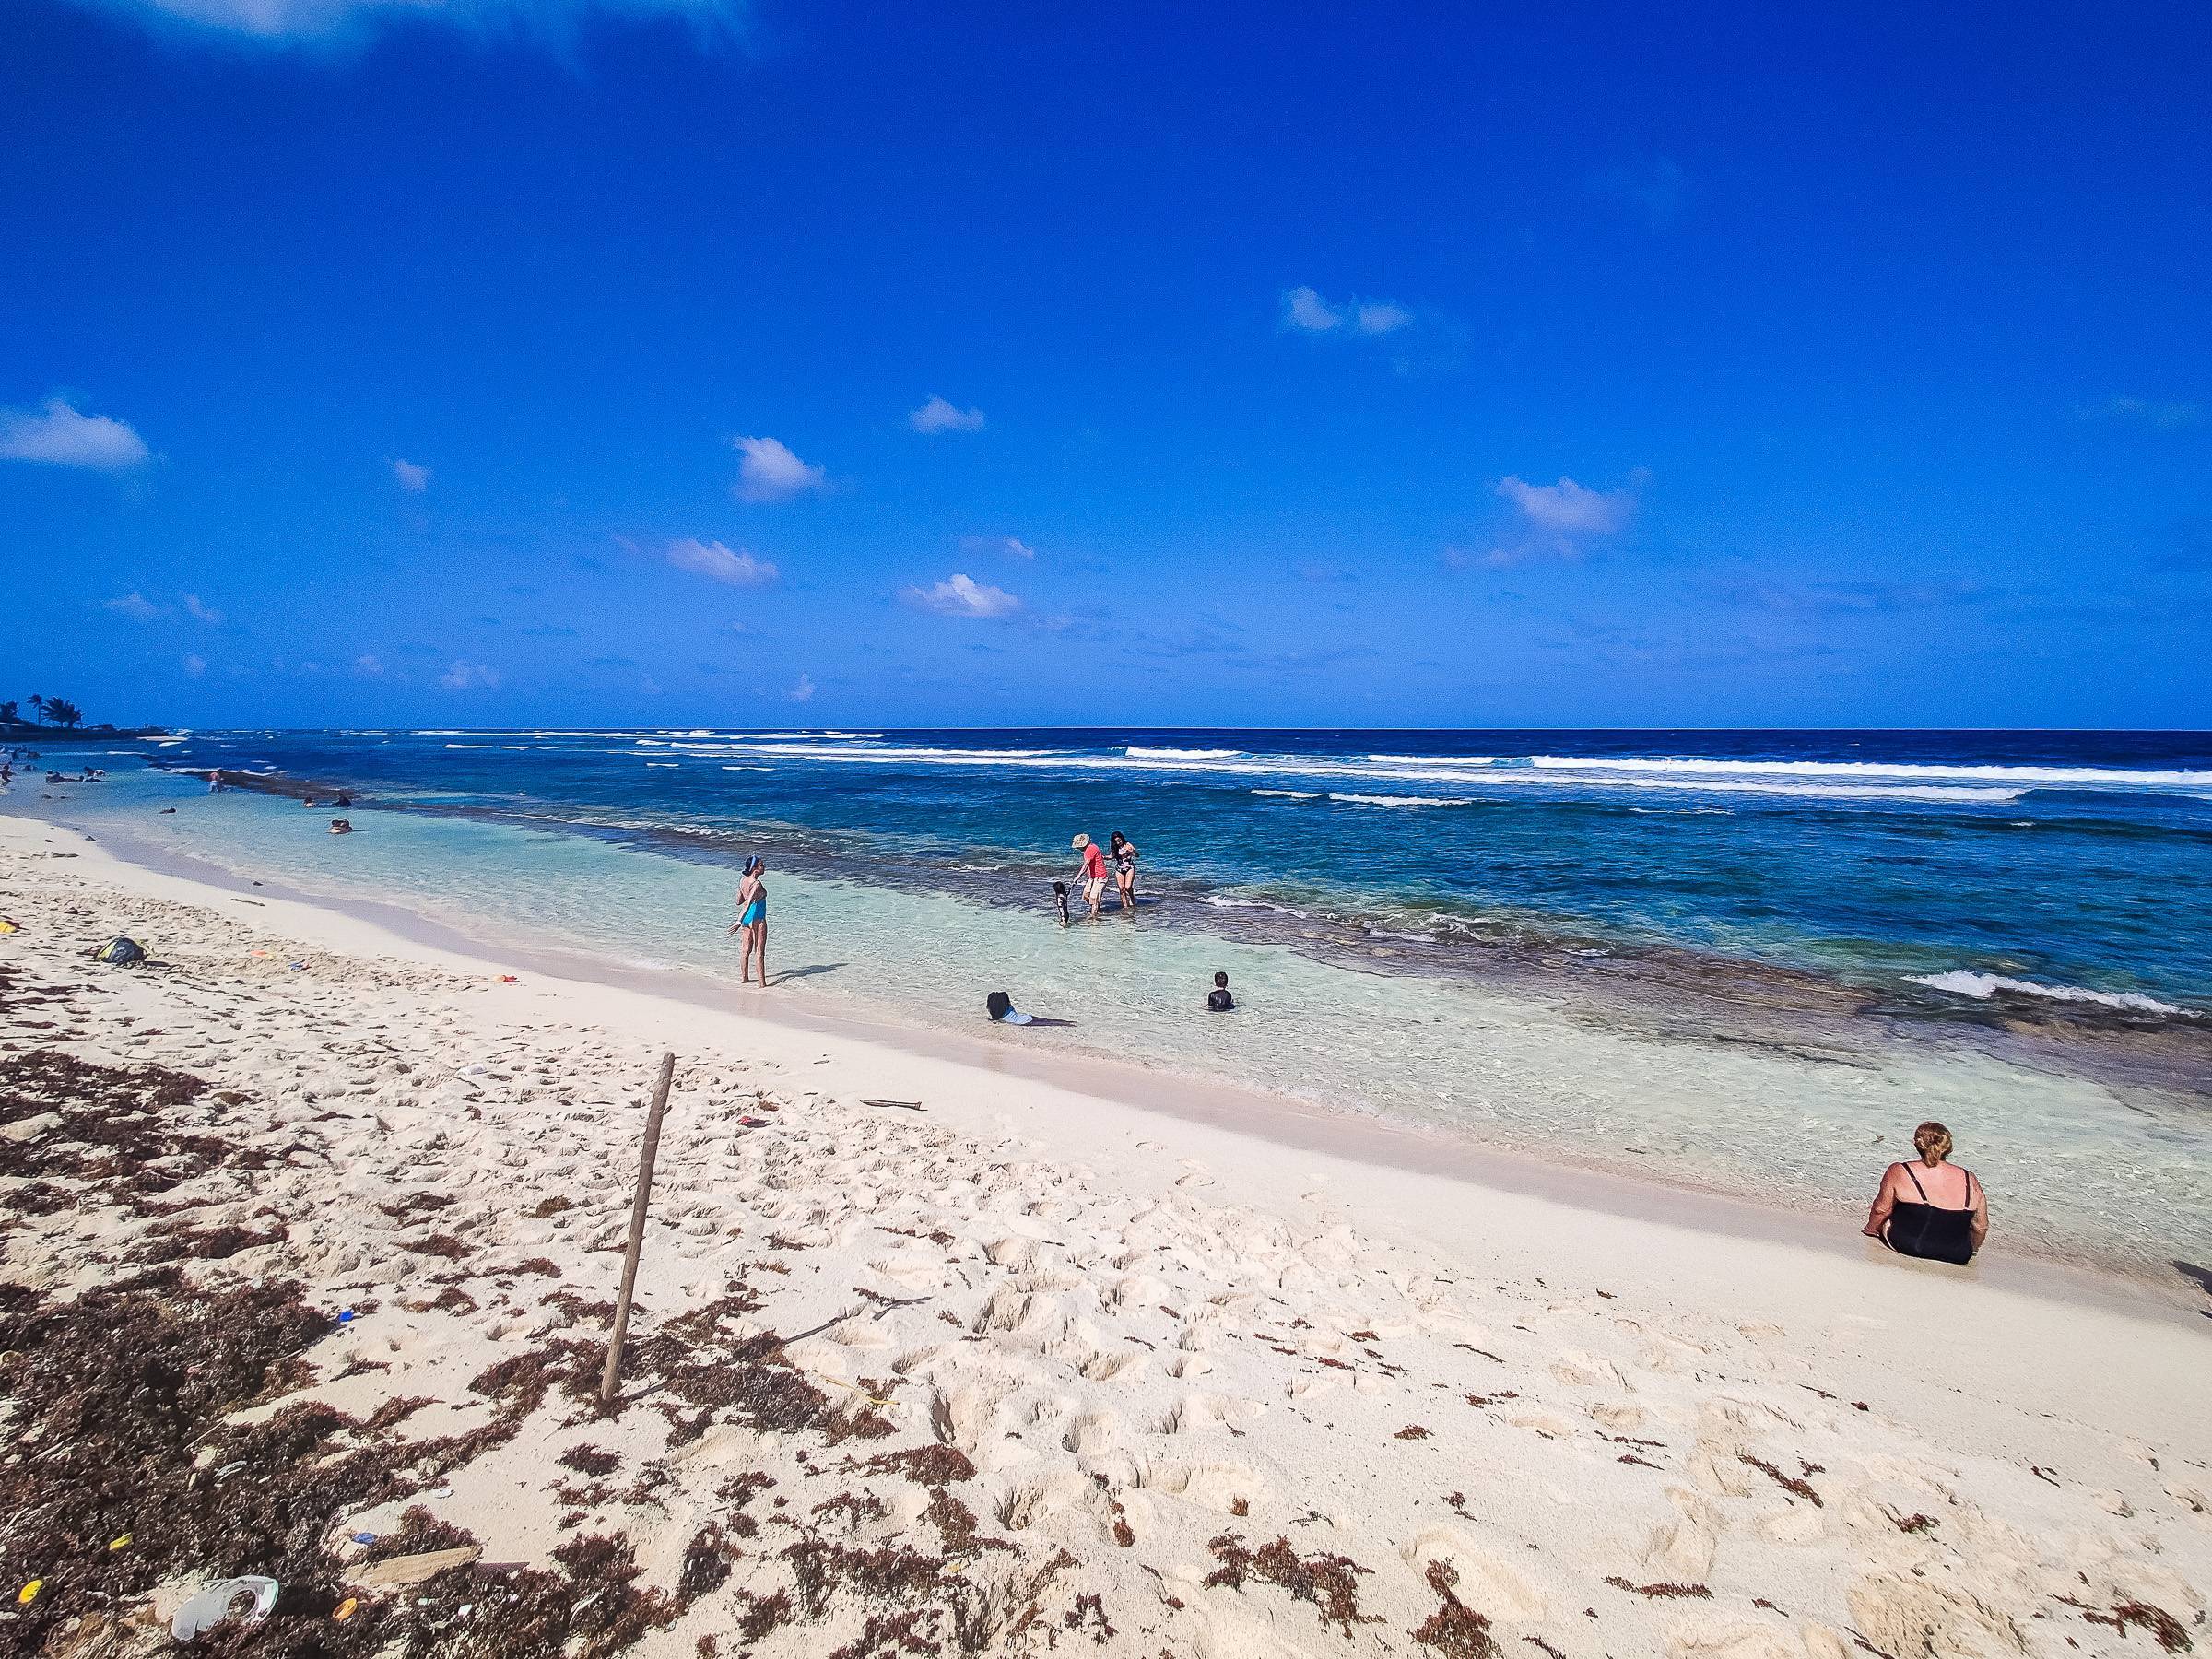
pixel 1117 841
pixel 1221 982
pixel 755 865
pixel 1933 1142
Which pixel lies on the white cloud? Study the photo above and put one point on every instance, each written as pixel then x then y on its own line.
pixel 1302 308
pixel 1567 508
pixel 1381 317
pixel 1307 312
pixel 712 559
pixel 552 23
pixel 803 690
pixel 960 595
pixel 463 676
pixel 410 478
pixel 1012 547
pixel 2147 410
pixel 196 606
pixel 937 416
pixel 61 437
pixel 368 663
pixel 195 665
pixel 1559 518
pixel 770 471
pixel 136 606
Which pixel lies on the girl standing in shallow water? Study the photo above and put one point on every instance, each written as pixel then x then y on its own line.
pixel 752 918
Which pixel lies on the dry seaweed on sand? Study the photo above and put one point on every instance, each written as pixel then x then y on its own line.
pixel 1788 1483
pixel 1663 1592
pixel 2165 1630
pixel 128 1133
pixel 1329 1581
pixel 119 1397
pixel 1455 1630
pixel 931 1465
pixel 590 1460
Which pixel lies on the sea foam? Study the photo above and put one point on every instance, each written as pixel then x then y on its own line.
pixel 1959 981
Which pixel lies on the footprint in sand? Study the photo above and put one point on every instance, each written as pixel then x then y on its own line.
pixel 1091 1434
pixel 1487 1579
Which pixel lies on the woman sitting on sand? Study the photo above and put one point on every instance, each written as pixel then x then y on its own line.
pixel 1930 1207
pixel 752 918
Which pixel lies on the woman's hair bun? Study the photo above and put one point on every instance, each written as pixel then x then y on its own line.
pixel 1932 1141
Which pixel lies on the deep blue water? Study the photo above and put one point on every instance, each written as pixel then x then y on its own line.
pixel 2074 862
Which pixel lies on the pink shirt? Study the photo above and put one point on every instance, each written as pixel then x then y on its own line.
pixel 1094 864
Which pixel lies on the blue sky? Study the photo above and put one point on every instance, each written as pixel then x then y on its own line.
pixel 689 362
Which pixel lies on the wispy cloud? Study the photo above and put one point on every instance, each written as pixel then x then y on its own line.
pixel 1845 597
pixel 199 608
pixel 960 595
pixel 552 24
pixel 738 568
pixel 410 478
pixel 193 664
pixel 59 436
pixel 1655 189
pixel 1305 312
pixel 2145 411
pixel 770 471
pixel 369 665
pixel 1012 547
pixel 1558 521
pixel 803 691
pixel 136 606
pixel 938 416
pixel 466 676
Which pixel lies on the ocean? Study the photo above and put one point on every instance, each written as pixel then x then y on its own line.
pixel 1742 960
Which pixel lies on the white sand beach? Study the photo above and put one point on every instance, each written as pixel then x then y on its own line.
pixel 1033 1361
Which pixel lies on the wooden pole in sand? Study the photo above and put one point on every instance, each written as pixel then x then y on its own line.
pixel 637 1231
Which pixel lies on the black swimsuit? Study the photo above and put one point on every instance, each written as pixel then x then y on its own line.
pixel 1930 1232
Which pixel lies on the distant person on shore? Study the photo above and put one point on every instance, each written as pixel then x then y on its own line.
pixel 1093 873
pixel 1218 999
pixel 1124 852
pixel 1930 1207
pixel 752 918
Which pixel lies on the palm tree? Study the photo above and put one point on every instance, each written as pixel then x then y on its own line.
pixel 63 712
pixel 9 716
pixel 38 702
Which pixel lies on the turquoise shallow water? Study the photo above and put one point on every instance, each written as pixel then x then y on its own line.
pixel 2080 1169
pixel 2072 865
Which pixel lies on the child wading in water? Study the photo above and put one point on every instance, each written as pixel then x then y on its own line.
pixel 752 920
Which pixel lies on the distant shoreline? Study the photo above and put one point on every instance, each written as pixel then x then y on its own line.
pixel 16 732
